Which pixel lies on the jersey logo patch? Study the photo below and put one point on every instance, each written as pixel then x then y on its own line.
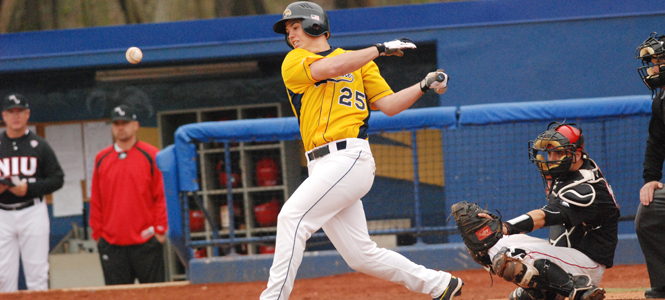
pixel 343 78
pixel 34 143
pixel 119 111
pixel 14 99
pixel 483 233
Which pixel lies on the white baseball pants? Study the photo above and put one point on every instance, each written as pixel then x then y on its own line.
pixel 571 260
pixel 330 199
pixel 26 233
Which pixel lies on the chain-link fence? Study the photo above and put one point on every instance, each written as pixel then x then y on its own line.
pixel 422 169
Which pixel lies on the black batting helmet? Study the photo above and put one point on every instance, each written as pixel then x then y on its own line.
pixel 314 19
pixel 558 137
pixel 652 47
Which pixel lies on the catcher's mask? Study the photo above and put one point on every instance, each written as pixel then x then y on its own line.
pixel 553 151
pixel 314 19
pixel 652 47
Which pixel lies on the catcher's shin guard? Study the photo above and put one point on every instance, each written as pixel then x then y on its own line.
pixel 534 294
pixel 553 277
pixel 584 290
pixel 513 269
pixel 526 294
pixel 544 275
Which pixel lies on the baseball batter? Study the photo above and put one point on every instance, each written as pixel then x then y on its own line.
pixel 331 91
pixel 583 218
pixel 29 170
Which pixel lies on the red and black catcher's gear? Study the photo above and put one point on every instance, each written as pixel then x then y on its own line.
pixel 557 138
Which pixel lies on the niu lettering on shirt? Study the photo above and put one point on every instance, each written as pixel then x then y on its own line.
pixel 12 166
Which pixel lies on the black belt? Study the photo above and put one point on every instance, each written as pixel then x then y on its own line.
pixel 22 205
pixel 323 151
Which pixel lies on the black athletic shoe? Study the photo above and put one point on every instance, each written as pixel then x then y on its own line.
pixel 453 289
pixel 657 292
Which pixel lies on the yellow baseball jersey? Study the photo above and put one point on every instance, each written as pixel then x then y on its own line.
pixel 334 108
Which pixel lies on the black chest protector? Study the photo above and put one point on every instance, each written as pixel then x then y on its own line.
pixel 571 209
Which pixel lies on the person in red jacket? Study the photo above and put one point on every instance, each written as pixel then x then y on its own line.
pixel 127 206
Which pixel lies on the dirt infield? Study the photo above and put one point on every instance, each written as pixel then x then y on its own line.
pixel 622 282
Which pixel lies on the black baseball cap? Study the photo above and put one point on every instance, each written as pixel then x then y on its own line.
pixel 13 101
pixel 123 113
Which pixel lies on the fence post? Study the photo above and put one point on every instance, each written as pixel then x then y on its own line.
pixel 229 195
pixel 416 187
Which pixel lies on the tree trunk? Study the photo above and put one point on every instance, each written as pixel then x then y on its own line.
pixel 31 18
pixel 9 15
pixel 47 13
pixel 353 3
pixel 168 11
pixel 224 8
pixel 102 13
pixel 259 8
pixel 69 14
pixel 206 9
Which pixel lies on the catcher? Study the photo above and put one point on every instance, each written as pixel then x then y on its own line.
pixel 582 215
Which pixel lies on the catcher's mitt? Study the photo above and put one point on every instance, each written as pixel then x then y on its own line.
pixel 479 234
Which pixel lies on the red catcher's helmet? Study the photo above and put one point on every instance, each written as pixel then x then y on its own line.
pixel 267 172
pixel 266 249
pixel 266 214
pixel 558 137
pixel 235 177
pixel 196 220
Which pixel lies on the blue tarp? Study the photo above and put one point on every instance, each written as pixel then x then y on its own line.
pixel 554 110
pixel 166 162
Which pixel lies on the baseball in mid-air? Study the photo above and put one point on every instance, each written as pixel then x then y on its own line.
pixel 134 55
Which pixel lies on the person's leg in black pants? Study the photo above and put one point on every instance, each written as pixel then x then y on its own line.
pixel 115 263
pixel 650 227
pixel 148 261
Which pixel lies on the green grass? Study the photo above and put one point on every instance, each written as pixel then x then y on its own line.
pixel 625 290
